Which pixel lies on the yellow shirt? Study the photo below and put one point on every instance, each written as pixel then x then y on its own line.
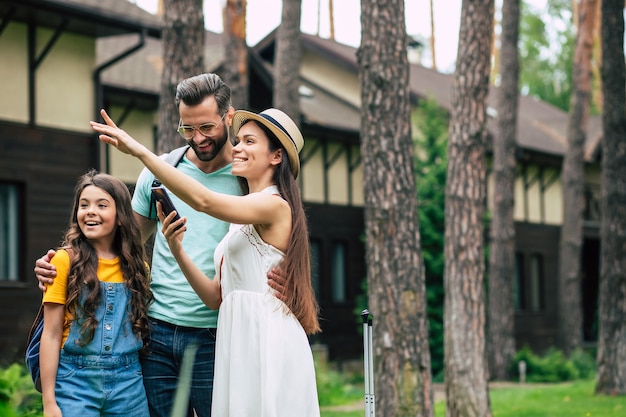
pixel 108 271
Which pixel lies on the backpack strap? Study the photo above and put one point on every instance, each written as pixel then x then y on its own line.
pixel 33 343
pixel 173 158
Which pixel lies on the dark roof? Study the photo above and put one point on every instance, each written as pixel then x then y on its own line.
pixel 142 69
pixel 87 17
pixel 342 55
pixel 541 126
pixel 322 108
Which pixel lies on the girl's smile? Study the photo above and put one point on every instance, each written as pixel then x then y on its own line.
pixel 97 215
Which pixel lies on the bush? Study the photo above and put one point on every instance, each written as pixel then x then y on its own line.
pixel 334 388
pixel 553 366
pixel 18 396
pixel 584 362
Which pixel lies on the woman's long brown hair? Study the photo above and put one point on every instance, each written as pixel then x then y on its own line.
pixel 298 293
pixel 83 280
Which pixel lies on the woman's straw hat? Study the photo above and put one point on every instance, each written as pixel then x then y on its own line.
pixel 282 126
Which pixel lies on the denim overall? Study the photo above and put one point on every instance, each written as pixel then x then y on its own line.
pixel 104 377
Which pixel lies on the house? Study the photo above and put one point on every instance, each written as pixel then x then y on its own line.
pixel 50 90
pixel 69 59
pixel 330 180
pixel 541 145
pixel 331 68
pixel 77 56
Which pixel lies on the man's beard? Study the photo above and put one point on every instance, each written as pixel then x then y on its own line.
pixel 218 144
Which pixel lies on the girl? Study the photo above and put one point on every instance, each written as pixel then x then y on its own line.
pixel 95 311
pixel 262 350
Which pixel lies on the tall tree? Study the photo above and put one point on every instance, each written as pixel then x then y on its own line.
pixel 596 61
pixel 432 34
pixel 183 56
pixel 464 315
pixel 546 70
pixel 395 269
pixel 331 19
pixel 611 377
pixel 319 14
pixel 236 52
pixel 573 178
pixel 501 313
pixel 287 60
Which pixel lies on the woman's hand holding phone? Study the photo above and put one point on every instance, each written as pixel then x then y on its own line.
pixel 173 226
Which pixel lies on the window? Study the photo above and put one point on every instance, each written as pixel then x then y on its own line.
pixel 536 283
pixel 518 285
pixel 591 211
pixel 528 286
pixel 338 272
pixel 9 237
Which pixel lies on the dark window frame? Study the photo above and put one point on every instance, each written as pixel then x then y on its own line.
pixel 12 244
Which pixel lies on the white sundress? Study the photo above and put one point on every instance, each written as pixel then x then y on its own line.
pixel 263 360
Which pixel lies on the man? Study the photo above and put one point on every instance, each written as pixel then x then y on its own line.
pixel 178 317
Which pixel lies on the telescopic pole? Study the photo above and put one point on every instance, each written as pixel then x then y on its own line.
pixel 368 363
pixel 371 367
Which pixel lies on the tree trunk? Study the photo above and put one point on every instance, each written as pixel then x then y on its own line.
pixel 611 378
pixel 432 34
pixel 236 52
pixel 331 19
pixel 287 61
pixel 501 312
pixel 573 177
pixel 183 57
pixel 395 268
pixel 596 60
pixel 464 316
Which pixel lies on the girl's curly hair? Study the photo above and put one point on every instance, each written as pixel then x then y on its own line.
pixel 82 279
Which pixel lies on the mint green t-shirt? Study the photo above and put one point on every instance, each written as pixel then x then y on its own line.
pixel 174 300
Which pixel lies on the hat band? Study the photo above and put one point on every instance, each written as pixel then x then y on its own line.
pixel 277 124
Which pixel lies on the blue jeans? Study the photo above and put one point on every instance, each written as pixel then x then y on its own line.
pixel 161 366
pixel 94 386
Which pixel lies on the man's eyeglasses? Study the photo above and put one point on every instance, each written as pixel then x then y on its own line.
pixel 206 129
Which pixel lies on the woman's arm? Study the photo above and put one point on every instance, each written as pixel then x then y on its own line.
pixel 49 353
pixel 253 208
pixel 207 289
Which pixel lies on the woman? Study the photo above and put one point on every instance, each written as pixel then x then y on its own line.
pixel 262 350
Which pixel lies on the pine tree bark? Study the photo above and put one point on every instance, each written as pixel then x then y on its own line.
pixel 395 268
pixel 464 316
pixel 183 56
pixel 287 60
pixel 501 311
pixel 611 360
pixel 573 178
pixel 236 52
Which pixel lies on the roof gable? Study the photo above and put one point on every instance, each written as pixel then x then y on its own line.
pixel 541 126
pixel 87 17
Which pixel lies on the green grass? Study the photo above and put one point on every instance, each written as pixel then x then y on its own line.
pixel 336 390
pixel 572 399
pixel 342 413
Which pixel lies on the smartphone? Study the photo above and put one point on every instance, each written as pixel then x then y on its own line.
pixel 160 194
